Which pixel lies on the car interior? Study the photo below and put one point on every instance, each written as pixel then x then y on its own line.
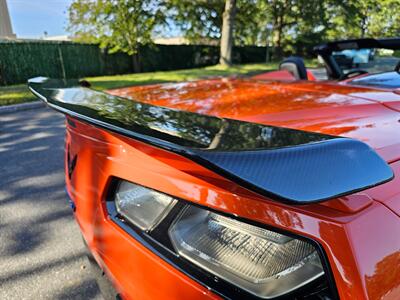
pixel 295 66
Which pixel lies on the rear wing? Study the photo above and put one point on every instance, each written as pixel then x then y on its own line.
pixel 284 164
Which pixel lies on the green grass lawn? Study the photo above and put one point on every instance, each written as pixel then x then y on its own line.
pixel 108 82
pixel 19 93
pixel 14 94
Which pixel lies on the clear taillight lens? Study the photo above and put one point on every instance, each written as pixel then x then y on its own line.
pixel 143 207
pixel 263 262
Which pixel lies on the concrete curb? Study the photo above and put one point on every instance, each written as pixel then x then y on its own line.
pixel 18 107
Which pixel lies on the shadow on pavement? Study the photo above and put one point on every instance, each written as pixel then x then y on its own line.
pixel 41 251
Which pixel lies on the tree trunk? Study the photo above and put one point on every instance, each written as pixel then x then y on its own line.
pixel 279 50
pixel 228 21
pixel 364 25
pixel 218 136
pixel 280 20
pixel 136 63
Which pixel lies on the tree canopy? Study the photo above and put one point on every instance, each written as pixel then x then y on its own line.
pixel 292 26
pixel 119 25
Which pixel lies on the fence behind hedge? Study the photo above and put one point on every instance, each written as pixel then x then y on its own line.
pixel 20 60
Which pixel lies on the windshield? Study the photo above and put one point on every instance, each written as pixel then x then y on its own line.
pixel 371 60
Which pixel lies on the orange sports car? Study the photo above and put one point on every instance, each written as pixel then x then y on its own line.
pixel 238 188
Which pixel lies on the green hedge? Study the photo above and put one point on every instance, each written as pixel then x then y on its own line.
pixel 21 60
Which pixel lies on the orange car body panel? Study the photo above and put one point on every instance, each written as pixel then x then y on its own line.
pixel 356 112
pixel 282 75
pixel 358 233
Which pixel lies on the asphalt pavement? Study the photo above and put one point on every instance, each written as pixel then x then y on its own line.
pixel 41 251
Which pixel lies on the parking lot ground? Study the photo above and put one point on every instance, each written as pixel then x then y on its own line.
pixel 41 252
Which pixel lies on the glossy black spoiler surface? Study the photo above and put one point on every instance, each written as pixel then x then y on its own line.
pixel 288 165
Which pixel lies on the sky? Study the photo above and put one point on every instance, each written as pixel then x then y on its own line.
pixel 31 18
